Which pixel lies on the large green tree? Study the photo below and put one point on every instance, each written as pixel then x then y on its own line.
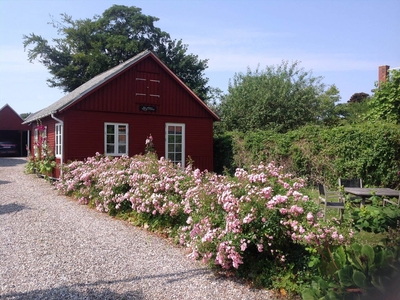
pixel 355 110
pixel 281 98
pixel 385 103
pixel 358 98
pixel 88 47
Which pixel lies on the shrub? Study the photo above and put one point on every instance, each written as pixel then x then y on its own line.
pixel 370 151
pixel 256 223
pixel 358 272
pixel 223 154
pixel 373 217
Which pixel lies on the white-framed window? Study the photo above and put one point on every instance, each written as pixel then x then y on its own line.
pixel 58 141
pixel 175 143
pixel 115 139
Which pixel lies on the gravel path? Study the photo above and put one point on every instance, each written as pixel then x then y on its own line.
pixel 53 248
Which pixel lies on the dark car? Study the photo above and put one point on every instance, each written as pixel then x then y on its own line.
pixel 8 148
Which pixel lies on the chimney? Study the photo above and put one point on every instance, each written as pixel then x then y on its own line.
pixel 382 74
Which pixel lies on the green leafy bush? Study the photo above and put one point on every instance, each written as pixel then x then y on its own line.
pixel 360 272
pixel 223 154
pixel 374 217
pixel 385 103
pixel 370 151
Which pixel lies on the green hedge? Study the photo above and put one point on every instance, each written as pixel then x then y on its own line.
pixel 369 150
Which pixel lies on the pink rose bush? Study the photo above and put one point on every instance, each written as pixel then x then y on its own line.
pixel 145 186
pixel 262 209
pixel 224 221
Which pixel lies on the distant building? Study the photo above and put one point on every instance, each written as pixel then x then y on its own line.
pixel 12 132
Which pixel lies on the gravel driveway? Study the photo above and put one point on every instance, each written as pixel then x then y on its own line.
pixel 53 248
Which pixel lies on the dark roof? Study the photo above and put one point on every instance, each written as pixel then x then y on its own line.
pixel 96 81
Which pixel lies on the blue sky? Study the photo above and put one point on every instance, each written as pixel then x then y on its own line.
pixel 343 41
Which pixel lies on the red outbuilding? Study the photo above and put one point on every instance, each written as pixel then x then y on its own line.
pixel 116 111
pixel 13 134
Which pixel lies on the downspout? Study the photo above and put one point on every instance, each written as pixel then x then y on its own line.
pixel 62 141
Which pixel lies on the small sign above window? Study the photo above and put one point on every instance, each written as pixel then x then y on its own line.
pixel 148 108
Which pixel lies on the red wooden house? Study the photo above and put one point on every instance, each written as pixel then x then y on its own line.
pixel 114 113
pixel 13 134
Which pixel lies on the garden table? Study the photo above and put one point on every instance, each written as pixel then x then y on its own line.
pixel 364 193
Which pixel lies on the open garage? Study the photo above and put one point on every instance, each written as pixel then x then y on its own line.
pixel 13 134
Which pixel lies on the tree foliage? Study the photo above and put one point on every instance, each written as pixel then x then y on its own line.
pixel 24 115
pixel 358 97
pixel 88 47
pixel 355 110
pixel 352 112
pixel 326 110
pixel 385 103
pixel 281 98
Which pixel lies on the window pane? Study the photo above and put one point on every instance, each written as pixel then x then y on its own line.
pixel 122 129
pixel 122 138
pixel 171 148
pixel 110 129
pixel 171 156
pixel 178 130
pixel 122 149
pixel 178 148
pixel 110 139
pixel 110 148
pixel 171 129
pixel 178 157
pixel 178 139
pixel 171 139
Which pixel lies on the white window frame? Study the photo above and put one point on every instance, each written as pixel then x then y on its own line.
pixel 168 144
pixel 116 143
pixel 58 132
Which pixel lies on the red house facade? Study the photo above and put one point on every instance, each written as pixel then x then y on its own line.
pixel 12 132
pixel 114 113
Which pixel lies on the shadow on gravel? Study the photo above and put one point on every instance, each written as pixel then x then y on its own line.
pixel 11 208
pixel 4 182
pixel 71 293
pixel 95 291
pixel 12 161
